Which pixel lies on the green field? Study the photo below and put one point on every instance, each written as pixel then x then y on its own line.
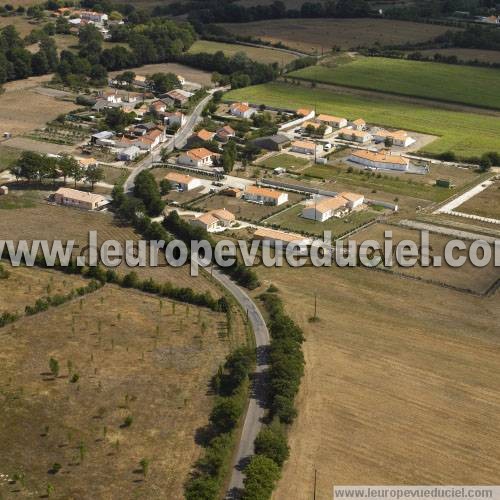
pixel 262 55
pixel 466 134
pixel 284 160
pixel 443 82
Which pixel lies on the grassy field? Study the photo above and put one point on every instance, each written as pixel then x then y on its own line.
pixel 464 84
pixel 284 160
pixel 8 156
pixel 292 220
pixel 262 55
pixel 485 204
pixel 243 209
pixel 133 359
pixel 466 134
pixel 317 35
pixel 416 186
pixel 401 383
pixel 489 56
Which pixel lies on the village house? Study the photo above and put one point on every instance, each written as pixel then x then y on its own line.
pixel 113 96
pixel 399 138
pixel 325 209
pixel 353 200
pixel 303 147
pixel 177 97
pixel 129 154
pixel 358 124
pixel 379 160
pixel 87 162
pixel 317 126
pixel 104 138
pixel 95 17
pixel 214 220
pixel 306 113
pixel 183 182
pixel 199 157
pixel 174 119
pixel 79 199
pixel 265 196
pixel 225 133
pixel 232 192
pixel 349 134
pixel 158 106
pixel 202 135
pixel 272 142
pixel 242 110
pixel 332 121
pixel 140 81
pixel 273 237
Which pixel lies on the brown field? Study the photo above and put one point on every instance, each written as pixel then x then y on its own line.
pixel 43 221
pixel 489 56
pixel 24 286
pixel 465 277
pixel 243 209
pixel 315 35
pixel 23 25
pixel 190 74
pixel 133 359
pixel 485 204
pixel 23 109
pixel 401 383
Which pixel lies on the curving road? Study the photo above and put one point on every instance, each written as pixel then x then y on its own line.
pixel 256 406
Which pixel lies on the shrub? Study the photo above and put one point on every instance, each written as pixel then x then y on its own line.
pixel 271 443
pixel 262 473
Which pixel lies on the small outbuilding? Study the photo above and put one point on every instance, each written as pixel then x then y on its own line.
pixel 4 190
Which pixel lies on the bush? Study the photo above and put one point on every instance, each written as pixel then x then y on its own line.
pixel 225 414
pixel 262 473
pixel 202 488
pixel 271 443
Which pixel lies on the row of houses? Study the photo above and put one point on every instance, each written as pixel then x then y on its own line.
pixel 399 138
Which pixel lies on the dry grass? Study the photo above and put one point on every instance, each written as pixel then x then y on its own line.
pixel 132 359
pixel 315 35
pixel 23 25
pixel 485 204
pixel 401 383
pixel 23 109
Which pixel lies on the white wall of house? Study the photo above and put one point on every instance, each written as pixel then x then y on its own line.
pixel 377 164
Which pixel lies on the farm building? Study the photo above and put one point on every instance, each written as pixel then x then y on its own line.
pixel 332 121
pixel 199 157
pixel 399 138
pixel 272 236
pixel 104 138
pixel 264 195
pixel 379 160
pixel 184 182
pixel 128 154
pixel 304 147
pixel 272 142
pixel 242 110
pixel 4 190
pixel 79 199
pixel 349 134
pixel 326 209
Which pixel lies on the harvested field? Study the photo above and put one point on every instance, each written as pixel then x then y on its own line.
pixel 25 286
pixel 133 359
pixel 263 55
pixel 43 147
pixel 401 383
pixel 317 35
pixel 485 204
pixel 190 74
pixel 23 109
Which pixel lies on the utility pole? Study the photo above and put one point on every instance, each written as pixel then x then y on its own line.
pixel 315 477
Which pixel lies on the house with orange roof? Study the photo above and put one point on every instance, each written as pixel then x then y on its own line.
pixel 353 200
pixel 87 162
pixel 399 138
pixel 317 126
pixel 265 196
pixel 359 124
pixel 242 110
pixel 326 208
pixel 333 121
pixel 214 220
pixel 202 135
pixel 79 199
pixel 380 160
pixel 225 133
pixel 273 237
pixel 353 135
pixel 303 147
pixel 182 181
pixel 198 157
pixel 305 112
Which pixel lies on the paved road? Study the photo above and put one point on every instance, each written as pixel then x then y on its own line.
pixel 460 200
pixel 256 407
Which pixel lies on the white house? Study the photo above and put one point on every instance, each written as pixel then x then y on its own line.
pixel 303 147
pixel 358 124
pixel 316 126
pixel 113 97
pixel 379 160
pixel 174 119
pixel 128 154
pixel 350 134
pixel 325 209
pixel 79 199
pixel 213 220
pixel 242 110
pixel 104 138
pixel 399 138
pixel 95 17
pixel 199 157
pixel 140 81
pixel 265 196
pixel 184 182
pixel 353 200
pixel 333 121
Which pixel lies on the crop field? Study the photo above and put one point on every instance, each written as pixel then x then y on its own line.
pixel 132 384
pixel 262 55
pixel 401 382
pixel 242 209
pixel 488 56
pixel 453 127
pixel 485 204
pixel 442 82
pixel 292 220
pixel 24 286
pixel 317 35
pixel 284 160
pixel 416 186
pixel 22 109
pixel 43 221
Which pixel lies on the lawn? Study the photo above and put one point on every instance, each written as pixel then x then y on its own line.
pixel 442 82
pixel 401 377
pixel 485 204
pixel 134 358
pixel 8 156
pixel 466 134
pixel 262 55
pixel 284 160
pixel 292 220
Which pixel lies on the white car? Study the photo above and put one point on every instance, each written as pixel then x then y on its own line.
pixel 327 147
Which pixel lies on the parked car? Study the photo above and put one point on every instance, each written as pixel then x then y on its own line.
pixel 327 147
